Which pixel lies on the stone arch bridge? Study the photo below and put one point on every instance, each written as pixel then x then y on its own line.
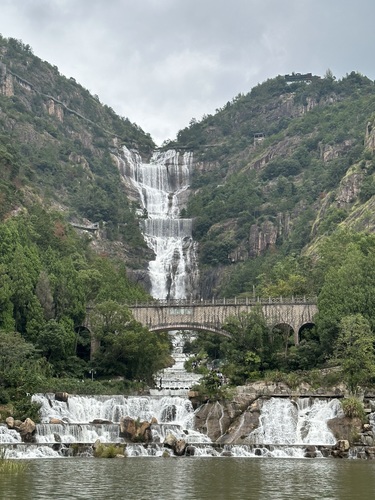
pixel 210 315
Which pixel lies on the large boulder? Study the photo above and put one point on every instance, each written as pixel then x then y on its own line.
pixel 178 446
pixel 144 433
pixel 128 429
pixel 345 428
pixel 170 441
pixel 62 396
pixel 56 421
pixel 10 422
pixel 135 431
pixel 341 449
pixel 27 431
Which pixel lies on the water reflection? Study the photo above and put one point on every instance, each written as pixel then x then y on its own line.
pixel 195 478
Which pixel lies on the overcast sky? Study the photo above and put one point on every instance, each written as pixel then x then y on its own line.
pixel 162 62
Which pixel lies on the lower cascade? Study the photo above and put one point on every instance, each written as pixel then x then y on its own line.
pixel 295 423
pixel 75 426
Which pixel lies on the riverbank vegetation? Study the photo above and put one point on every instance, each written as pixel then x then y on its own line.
pixel 8 466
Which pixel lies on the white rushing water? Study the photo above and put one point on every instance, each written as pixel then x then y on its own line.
pixel 85 409
pixel 285 427
pixel 287 422
pixel 162 187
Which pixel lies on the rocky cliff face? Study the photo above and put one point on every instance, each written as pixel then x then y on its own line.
pixel 349 188
pixel 370 135
pixel 6 81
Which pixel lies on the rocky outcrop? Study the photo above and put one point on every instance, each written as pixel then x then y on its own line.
pixel 281 149
pixel 349 188
pixel 56 421
pixel 6 82
pixel 262 236
pixel 178 446
pixel 341 449
pixel 329 152
pixel 345 428
pixel 55 109
pixel 62 396
pixel 135 431
pixel 231 421
pixel 370 136
pixel 26 429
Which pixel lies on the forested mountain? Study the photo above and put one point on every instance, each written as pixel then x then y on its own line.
pixel 277 170
pixel 282 200
pixel 56 141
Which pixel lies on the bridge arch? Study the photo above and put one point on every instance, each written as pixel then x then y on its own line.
pixel 284 331
pixel 304 329
pixel 190 326
pixel 83 342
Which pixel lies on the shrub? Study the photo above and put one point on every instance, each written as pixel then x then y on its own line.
pixel 4 396
pixel 353 408
pixel 108 450
pixel 25 408
pixel 13 466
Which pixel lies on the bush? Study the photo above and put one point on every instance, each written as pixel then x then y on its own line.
pixel 4 396
pixel 353 408
pixel 108 450
pixel 25 408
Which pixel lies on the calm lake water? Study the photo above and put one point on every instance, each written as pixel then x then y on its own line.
pixel 192 478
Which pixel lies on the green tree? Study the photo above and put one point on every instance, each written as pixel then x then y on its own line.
pixel 126 347
pixel 6 305
pixel 354 350
pixel 21 368
pixel 249 349
pixel 56 341
pixel 288 277
pixel 347 290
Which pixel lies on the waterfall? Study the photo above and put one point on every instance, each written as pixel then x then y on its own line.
pixel 286 422
pixel 286 427
pixel 85 409
pixel 161 187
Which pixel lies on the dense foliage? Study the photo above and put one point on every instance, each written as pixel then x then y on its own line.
pixel 49 277
pixel 257 203
pixel 343 273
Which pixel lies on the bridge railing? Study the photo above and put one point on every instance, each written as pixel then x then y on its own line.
pixel 225 301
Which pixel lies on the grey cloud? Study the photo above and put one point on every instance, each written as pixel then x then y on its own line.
pixel 161 62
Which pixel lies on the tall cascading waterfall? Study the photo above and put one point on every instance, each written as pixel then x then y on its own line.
pixel 162 188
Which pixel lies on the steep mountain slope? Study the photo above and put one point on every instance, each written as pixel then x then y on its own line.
pixel 276 170
pixel 56 141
